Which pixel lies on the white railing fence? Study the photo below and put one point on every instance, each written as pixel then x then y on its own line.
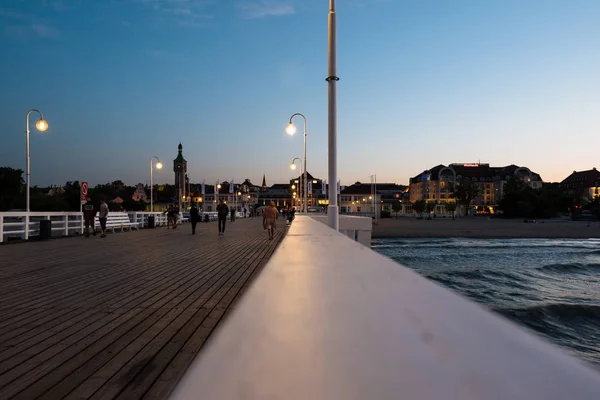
pixel 141 218
pixel 356 228
pixel 23 225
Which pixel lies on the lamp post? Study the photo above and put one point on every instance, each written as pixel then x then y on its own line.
pixel 291 130
pixel 41 125
pixel 332 209
pixel 217 186
pixel 158 166
pixel 293 167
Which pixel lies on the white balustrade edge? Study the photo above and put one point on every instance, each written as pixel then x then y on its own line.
pixel 328 318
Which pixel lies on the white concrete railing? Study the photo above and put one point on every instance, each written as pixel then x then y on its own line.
pixel 24 224
pixel 328 318
pixel 356 228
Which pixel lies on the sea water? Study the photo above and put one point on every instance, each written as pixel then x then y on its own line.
pixel 549 285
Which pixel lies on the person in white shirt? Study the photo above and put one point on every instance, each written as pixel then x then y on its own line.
pixel 102 217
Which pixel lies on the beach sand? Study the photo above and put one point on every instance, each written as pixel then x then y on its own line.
pixel 482 227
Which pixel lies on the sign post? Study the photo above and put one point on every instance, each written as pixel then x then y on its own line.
pixel 84 193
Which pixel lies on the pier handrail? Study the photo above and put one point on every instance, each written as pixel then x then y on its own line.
pixel 328 318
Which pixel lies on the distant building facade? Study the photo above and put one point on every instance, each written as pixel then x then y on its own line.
pixel 370 198
pixel 583 186
pixel 435 184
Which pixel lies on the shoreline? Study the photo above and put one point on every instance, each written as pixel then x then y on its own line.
pixel 483 228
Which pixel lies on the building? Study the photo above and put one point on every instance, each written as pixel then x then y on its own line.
pixel 140 194
pixel 370 198
pixel 239 196
pixel 435 184
pixel 292 193
pixel 583 186
pixel 180 170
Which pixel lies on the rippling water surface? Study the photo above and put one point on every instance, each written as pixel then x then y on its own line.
pixel 549 285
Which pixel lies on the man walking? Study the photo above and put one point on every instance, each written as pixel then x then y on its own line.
pixel 194 218
pixel 89 213
pixel 232 214
pixel 103 216
pixel 222 211
pixel 270 215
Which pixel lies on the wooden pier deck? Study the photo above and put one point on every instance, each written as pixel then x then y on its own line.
pixel 120 317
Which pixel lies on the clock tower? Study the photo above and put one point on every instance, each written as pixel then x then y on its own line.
pixel 180 169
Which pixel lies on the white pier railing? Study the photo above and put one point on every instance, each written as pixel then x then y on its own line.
pixel 21 224
pixel 328 318
pixel 356 228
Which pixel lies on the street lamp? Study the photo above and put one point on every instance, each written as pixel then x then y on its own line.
pixel 293 167
pixel 41 125
pixel 291 130
pixel 332 209
pixel 158 166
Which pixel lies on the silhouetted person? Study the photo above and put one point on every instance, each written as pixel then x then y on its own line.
pixel 270 215
pixel 89 214
pixel 103 217
pixel 222 212
pixel 232 214
pixel 194 218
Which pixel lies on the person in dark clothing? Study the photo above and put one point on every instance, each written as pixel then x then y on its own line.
pixel 222 212
pixel 89 214
pixel 194 218
pixel 232 214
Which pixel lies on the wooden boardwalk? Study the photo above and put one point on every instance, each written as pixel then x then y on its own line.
pixel 120 317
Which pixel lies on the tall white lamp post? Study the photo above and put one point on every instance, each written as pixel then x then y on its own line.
pixel 291 130
pixel 41 126
pixel 293 167
pixel 332 209
pixel 158 166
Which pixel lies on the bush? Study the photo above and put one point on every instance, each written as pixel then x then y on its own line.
pixel 385 214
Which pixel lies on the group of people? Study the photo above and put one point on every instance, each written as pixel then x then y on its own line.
pixel 172 216
pixel 89 216
pixel 270 216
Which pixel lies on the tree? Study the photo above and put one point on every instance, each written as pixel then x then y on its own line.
pixel 396 207
pixel 451 207
pixel 11 188
pixel 420 206
pixel 430 207
pixel 464 192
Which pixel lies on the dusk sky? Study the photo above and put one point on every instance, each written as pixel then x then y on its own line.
pixel 421 83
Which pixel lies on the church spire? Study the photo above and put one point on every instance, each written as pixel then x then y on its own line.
pixel 264 185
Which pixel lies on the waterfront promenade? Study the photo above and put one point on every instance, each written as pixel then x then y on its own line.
pixel 120 317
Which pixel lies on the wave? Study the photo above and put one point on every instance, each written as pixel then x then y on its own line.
pixel 552 318
pixel 567 268
pixel 448 243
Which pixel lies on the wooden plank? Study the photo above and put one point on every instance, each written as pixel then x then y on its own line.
pixel 121 316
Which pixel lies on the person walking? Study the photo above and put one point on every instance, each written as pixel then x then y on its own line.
pixel 175 216
pixel 270 215
pixel 222 212
pixel 89 214
pixel 169 211
pixel 232 214
pixel 194 218
pixel 103 216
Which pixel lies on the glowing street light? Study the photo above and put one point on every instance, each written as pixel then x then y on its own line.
pixel 41 125
pixel 158 166
pixel 291 130
pixel 293 167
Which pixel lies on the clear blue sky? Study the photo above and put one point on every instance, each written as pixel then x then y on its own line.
pixel 422 83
